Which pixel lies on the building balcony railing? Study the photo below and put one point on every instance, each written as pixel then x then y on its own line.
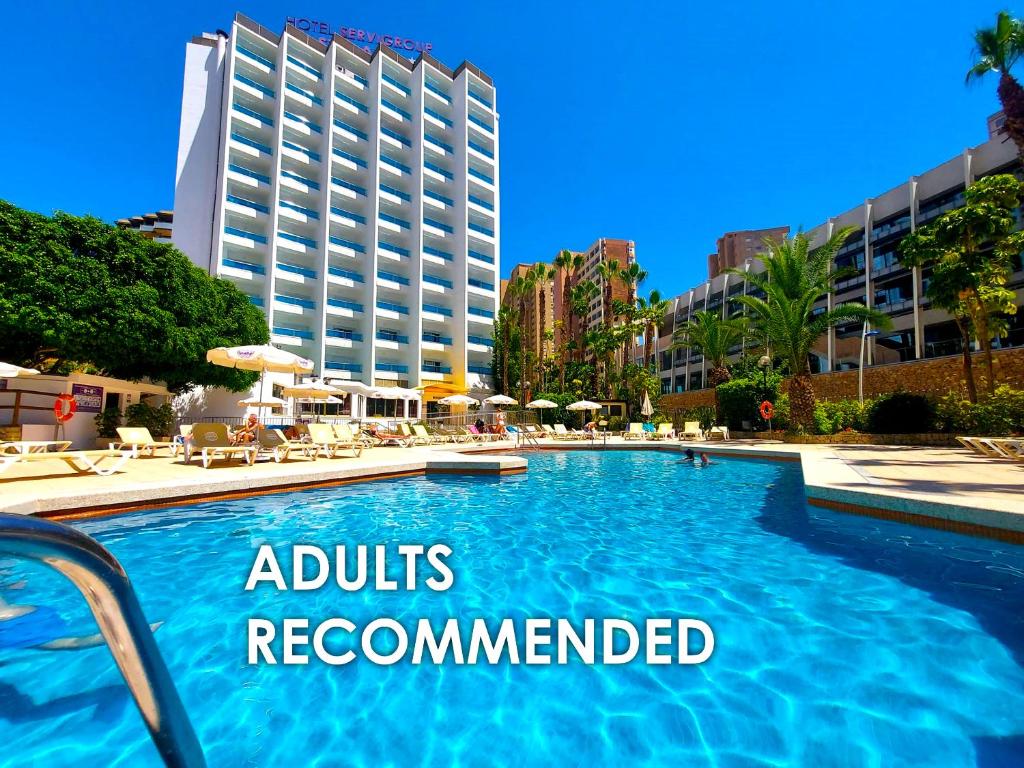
pixel 351 129
pixel 396 192
pixel 397 338
pixel 253 84
pixel 349 100
pixel 438 143
pixel 481 202
pixel 292 332
pixel 438 169
pixel 349 156
pixel 305 67
pixel 394 107
pixel 394 220
pixel 347 244
pixel 354 306
pixel 437 92
pixel 481 149
pixel 295 301
pixel 438 253
pixel 299 148
pixel 301 179
pixel 306 241
pixel 436 338
pixel 429 368
pixel 438 281
pixel 484 370
pixel 295 269
pixel 337 365
pixel 477 97
pixel 256 301
pixel 436 310
pixel 439 225
pixel 257 238
pixel 348 185
pixel 438 116
pixel 250 143
pixel 395 163
pixel 348 274
pixel 481 256
pixel 303 92
pixel 348 214
pixel 308 123
pixel 478 175
pixel 396 136
pixel 480 123
pixel 384 246
pixel 256 57
pixel 440 198
pixel 299 209
pixel 256 269
pixel 391 367
pixel 480 312
pixel 247 203
pixel 390 306
pixel 341 333
pixel 481 230
pixel 393 81
pixel 253 114
pixel 480 284
pixel 480 340
pixel 392 277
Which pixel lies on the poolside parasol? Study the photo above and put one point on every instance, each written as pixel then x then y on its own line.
pixel 646 409
pixel 541 404
pixel 259 357
pixel 8 371
pixel 260 402
pixel 501 400
pixel 459 400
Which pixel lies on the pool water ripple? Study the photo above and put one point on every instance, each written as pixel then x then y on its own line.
pixel 840 640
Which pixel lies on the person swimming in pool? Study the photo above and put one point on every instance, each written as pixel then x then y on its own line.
pixel 704 460
pixel 688 457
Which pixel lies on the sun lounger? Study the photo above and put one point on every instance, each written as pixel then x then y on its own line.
pixel 348 437
pixel 483 437
pixel 280 447
pixel 393 438
pixel 211 441
pixel 82 462
pixel 534 431
pixel 718 433
pixel 663 432
pixel 691 431
pixel 994 447
pixel 561 433
pixel 139 440
pixel 420 436
pixel 326 441
pixel 635 431
pixel 1011 446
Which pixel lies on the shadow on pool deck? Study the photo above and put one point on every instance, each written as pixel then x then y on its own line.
pixel 872 545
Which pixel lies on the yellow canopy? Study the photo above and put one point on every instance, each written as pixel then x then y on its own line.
pixel 437 390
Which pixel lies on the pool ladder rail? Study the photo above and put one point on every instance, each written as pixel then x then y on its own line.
pixel 103 582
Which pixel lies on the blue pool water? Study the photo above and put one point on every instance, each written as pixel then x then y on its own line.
pixel 840 640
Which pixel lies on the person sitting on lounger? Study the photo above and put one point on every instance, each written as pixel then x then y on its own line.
pixel 688 457
pixel 247 432
pixel 480 425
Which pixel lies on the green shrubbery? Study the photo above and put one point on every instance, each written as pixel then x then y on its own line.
pixel 1002 413
pixel 899 413
pixel 740 399
pixel 159 421
pixel 835 416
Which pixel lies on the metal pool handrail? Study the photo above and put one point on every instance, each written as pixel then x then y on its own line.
pixel 103 582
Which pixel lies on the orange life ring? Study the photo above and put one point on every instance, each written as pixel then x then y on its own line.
pixel 64 407
pixel 767 410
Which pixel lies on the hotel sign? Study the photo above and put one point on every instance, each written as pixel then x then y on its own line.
pixel 360 37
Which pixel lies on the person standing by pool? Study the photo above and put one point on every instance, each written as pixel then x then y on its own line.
pixel 499 419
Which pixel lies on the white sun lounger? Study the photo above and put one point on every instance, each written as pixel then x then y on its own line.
pixel 211 441
pixel 139 440
pixel 82 462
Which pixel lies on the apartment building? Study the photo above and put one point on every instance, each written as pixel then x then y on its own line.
pixel 353 196
pixel 606 249
pixel 157 226
pixel 918 330
pixel 735 248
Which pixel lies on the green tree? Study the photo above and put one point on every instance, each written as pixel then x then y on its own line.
pixel 713 337
pixel 652 311
pixel 582 294
pixel 970 250
pixel 998 48
pixel 795 277
pixel 506 355
pixel 78 293
pixel 608 271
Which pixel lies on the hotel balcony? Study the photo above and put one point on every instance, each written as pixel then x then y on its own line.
pixel 483 344
pixel 301 98
pixel 343 247
pixel 299 182
pixel 437 229
pixel 393 112
pixel 481 99
pixel 390 251
pixel 437 148
pixel 251 114
pixel 391 310
pixel 290 335
pixel 386 338
pixel 349 106
pixel 343 369
pixel 307 71
pixel 297 214
pixel 293 303
pixel 435 370
pixel 342 338
pixel 245 240
pixel 304 160
pixel 288 241
pixel 244 272
pixel 438 286
pixel 480 233
pixel 480 259
pixel 479 287
pixel 436 95
pixel 346 219
pixel 346 278
pixel 390 371
pixel 393 224
pixel 436 313
pixel 344 192
pixel 481 152
pixel 248 149
pixel 433 171
pixel 394 197
pixel 254 57
pixel 434 341
pixel 394 140
pixel 436 119
pixel 392 85
pixel 242 178
pixel 394 167
pixel 350 133
pixel 392 281
pixel 480 316
pixel 433 255
pixel 480 179
pixel 480 126
pixel 341 307
pixel 298 274
pixel 302 125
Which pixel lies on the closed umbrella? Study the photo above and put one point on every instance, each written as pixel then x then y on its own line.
pixel 646 409
pixel 8 371
pixel 259 357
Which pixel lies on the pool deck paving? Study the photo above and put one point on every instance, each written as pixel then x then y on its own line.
pixel 940 487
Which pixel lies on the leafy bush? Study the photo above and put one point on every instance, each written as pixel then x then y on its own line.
pixel 616 423
pixel 559 415
pixel 835 416
pixel 740 399
pixel 1002 413
pixel 107 421
pixel 159 421
pixel 901 413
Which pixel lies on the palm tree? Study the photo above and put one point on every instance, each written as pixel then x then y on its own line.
pixel 579 301
pixel 567 263
pixel 608 270
pixel 543 274
pixel 998 49
pixel 632 275
pixel 713 337
pixel 506 337
pixel 795 277
pixel 652 312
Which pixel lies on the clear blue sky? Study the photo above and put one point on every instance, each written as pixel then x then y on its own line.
pixel 667 125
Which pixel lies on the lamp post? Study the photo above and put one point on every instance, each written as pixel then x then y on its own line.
pixel 865 332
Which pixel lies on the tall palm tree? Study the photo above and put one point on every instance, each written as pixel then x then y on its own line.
pixel 652 311
pixel 795 277
pixel 632 275
pixel 543 274
pixel 998 48
pixel 608 270
pixel 567 263
pixel 507 342
pixel 581 296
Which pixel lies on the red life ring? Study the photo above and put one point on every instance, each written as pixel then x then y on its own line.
pixel 767 410
pixel 64 407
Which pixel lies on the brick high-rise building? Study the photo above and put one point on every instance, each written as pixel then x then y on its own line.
pixel 605 249
pixel 734 248
pixel 538 309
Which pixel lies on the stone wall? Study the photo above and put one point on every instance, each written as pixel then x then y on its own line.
pixel 935 377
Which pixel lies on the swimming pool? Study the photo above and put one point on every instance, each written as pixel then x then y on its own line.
pixel 840 640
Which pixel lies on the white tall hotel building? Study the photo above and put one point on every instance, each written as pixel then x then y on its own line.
pixel 352 196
